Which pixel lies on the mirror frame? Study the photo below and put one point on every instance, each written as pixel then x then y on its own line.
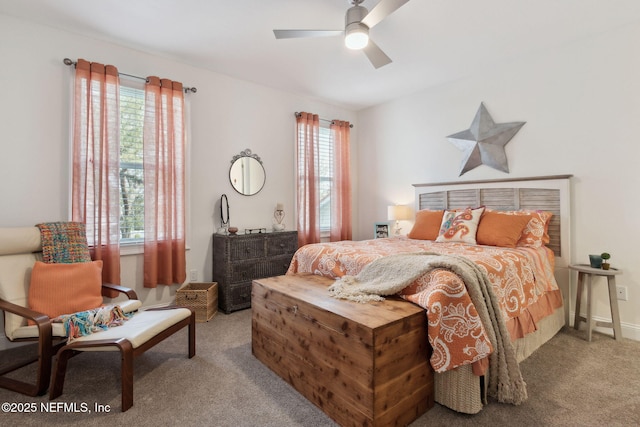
pixel 247 154
pixel 224 206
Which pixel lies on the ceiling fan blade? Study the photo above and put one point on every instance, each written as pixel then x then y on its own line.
pixel 381 11
pixel 377 57
pixel 294 34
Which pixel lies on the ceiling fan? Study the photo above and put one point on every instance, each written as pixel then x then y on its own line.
pixel 358 21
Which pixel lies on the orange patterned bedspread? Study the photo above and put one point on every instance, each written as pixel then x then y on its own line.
pixel 522 280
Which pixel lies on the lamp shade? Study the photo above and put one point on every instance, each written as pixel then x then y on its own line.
pixel 398 213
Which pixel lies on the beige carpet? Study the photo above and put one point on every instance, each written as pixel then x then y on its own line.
pixel 571 383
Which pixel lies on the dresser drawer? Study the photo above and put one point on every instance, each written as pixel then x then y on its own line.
pixel 235 297
pixel 249 270
pixel 243 271
pixel 278 265
pixel 246 248
pixel 282 244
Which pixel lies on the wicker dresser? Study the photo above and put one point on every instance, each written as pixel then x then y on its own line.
pixel 238 259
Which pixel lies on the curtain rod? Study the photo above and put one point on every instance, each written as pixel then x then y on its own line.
pixel 69 62
pixel 297 114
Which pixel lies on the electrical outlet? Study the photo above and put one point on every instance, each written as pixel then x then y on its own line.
pixel 193 275
pixel 621 291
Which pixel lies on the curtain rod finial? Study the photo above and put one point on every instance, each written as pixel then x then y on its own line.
pixel 67 61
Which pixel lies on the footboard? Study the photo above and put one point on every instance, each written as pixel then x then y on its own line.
pixel 362 364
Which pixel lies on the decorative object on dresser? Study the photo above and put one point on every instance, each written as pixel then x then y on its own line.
pixel 278 218
pixel 255 230
pixel 484 142
pixel 224 214
pixel 239 259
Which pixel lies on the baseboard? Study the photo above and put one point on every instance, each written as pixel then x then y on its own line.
pixel 629 330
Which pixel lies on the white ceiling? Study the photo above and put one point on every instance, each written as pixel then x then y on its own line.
pixel 429 41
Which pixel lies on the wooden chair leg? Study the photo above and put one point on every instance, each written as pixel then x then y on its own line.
pixel 69 350
pixel 45 351
pixel 59 373
pixel 126 375
pixel 192 335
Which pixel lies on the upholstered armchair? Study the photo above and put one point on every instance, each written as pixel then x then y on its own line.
pixel 20 249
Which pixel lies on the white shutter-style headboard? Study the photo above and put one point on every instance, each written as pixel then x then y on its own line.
pixel 548 193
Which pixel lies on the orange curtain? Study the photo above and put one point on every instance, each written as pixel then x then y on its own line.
pixel 341 184
pixel 308 203
pixel 96 160
pixel 164 181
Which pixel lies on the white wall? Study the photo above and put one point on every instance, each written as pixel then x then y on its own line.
pixel 227 116
pixel 581 102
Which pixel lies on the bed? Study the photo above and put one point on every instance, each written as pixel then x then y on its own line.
pixel 529 281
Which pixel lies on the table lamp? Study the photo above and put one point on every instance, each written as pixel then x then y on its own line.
pixel 398 213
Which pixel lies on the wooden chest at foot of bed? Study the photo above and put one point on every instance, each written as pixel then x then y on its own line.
pixel 362 364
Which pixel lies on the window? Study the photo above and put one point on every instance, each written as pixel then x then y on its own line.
pixel 325 163
pixel 323 192
pixel 131 166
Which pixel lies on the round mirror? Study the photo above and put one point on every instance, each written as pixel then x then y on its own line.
pixel 247 173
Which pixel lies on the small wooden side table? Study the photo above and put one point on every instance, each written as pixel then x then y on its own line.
pixel 585 271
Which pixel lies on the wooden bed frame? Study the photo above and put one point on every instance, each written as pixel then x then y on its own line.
pixel 283 347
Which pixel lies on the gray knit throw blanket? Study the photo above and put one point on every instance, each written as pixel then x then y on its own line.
pixel 389 275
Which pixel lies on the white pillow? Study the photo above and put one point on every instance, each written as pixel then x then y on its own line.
pixel 460 226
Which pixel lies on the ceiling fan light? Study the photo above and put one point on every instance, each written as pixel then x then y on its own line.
pixel 356 36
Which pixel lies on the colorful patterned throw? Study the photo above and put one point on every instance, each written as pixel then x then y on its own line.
pixel 95 320
pixel 64 242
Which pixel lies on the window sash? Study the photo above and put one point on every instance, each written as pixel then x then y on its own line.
pixel 325 176
pixel 132 101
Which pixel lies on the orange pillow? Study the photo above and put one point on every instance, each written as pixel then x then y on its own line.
pixel 536 233
pixel 57 289
pixel 427 225
pixel 500 229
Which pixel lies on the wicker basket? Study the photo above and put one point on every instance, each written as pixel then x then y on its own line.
pixel 201 297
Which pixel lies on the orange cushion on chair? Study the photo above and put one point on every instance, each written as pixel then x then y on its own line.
pixel 57 289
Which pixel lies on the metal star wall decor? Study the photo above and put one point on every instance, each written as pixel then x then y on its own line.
pixel 484 142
